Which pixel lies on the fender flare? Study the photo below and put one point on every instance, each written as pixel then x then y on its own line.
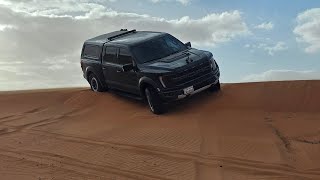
pixel 146 80
pixel 89 70
pixel 92 70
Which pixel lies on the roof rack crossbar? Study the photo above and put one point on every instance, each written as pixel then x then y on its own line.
pixel 116 36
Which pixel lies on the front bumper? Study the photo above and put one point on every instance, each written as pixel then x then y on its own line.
pixel 199 84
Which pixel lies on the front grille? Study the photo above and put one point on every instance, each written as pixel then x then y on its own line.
pixel 173 93
pixel 188 75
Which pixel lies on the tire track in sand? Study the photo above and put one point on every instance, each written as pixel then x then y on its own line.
pixel 21 115
pixel 72 164
pixel 207 160
pixel 14 129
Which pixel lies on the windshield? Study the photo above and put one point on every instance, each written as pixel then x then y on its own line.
pixel 157 48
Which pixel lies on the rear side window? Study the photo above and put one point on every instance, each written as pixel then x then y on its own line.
pixel 111 55
pixel 124 57
pixel 92 51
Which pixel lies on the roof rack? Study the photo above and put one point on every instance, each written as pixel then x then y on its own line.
pixel 124 33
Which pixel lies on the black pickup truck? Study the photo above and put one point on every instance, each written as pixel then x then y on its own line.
pixel 151 66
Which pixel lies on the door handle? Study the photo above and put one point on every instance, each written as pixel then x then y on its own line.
pixel 104 68
pixel 119 70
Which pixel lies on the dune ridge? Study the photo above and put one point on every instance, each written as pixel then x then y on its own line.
pixel 267 130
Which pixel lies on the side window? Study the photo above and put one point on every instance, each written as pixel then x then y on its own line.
pixel 110 55
pixel 92 51
pixel 124 57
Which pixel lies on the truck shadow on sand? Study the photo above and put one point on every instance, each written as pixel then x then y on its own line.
pixel 173 107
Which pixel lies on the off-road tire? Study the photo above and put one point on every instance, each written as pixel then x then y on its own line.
pixel 215 87
pixel 95 84
pixel 154 101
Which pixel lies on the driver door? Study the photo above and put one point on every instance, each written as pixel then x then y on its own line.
pixel 113 61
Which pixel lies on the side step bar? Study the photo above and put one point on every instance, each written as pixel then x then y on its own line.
pixel 124 94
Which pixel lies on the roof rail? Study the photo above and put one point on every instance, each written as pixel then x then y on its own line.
pixel 124 33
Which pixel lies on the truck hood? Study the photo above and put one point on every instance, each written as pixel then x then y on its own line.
pixel 175 61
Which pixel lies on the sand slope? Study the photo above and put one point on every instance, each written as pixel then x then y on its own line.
pixel 248 131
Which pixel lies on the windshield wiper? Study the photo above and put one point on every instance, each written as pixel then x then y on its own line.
pixel 175 52
pixel 152 60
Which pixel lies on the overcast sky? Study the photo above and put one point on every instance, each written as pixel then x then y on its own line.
pixel 252 40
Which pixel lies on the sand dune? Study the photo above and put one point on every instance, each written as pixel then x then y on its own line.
pixel 265 130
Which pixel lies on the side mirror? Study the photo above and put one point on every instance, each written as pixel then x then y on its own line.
pixel 127 67
pixel 188 44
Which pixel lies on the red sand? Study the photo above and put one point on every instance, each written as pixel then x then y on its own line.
pixel 265 130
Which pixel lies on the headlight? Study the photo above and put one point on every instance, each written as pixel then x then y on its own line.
pixel 161 80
